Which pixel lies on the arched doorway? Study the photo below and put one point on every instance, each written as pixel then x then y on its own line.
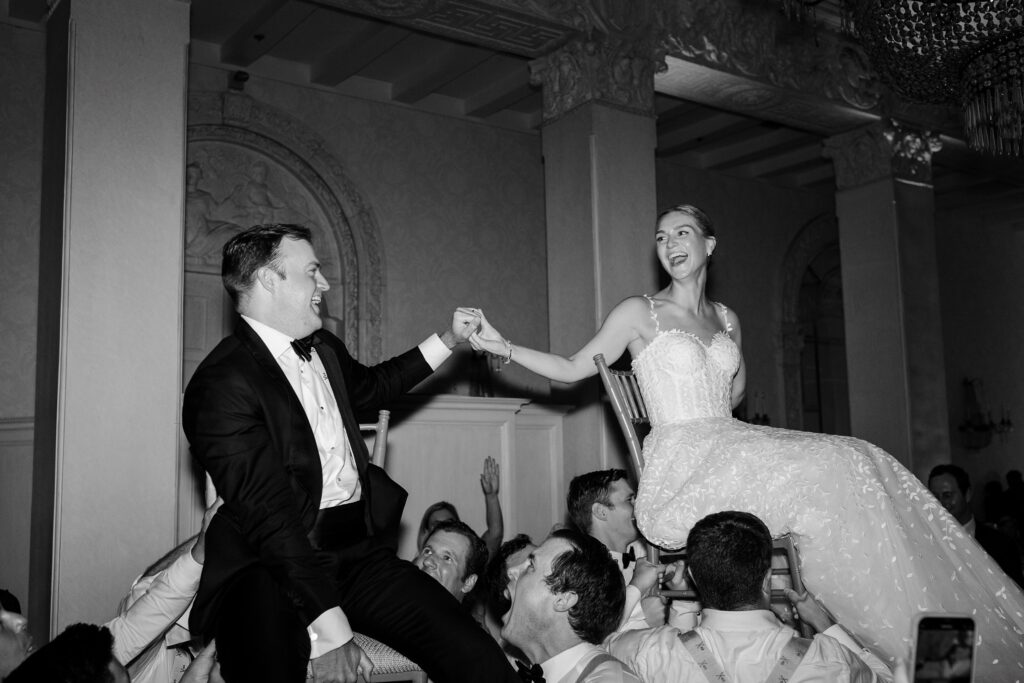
pixel 813 331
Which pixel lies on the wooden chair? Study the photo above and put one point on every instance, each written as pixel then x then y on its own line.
pixel 378 455
pixel 388 664
pixel 631 412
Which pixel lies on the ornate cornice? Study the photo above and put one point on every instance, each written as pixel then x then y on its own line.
pixel 880 151
pixel 741 38
pixel 502 26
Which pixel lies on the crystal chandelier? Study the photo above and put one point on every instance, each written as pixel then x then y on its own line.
pixel 969 53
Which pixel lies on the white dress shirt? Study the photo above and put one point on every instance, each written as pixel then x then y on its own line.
pixel 148 621
pixel 566 667
pixel 341 485
pixel 747 644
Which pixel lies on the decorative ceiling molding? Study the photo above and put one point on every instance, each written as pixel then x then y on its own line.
pixel 498 26
pixel 742 38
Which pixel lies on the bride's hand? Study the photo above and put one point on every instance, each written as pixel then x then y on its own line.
pixel 487 338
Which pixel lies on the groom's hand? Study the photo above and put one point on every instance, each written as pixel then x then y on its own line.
pixel 465 321
pixel 342 665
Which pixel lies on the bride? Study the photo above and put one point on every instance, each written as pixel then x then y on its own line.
pixel 875 546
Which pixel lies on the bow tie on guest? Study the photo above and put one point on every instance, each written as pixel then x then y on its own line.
pixel 628 556
pixel 530 674
pixel 303 348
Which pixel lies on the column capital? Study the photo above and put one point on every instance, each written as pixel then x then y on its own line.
pixel 885 149
pixel 621 45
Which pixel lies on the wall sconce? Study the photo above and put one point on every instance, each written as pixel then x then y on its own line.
pixel 977 427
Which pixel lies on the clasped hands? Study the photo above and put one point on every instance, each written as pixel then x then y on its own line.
pixel 469 324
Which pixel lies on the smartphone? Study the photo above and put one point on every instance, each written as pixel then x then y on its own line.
pixel 943 648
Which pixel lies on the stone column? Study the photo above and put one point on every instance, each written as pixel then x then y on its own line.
pixel 598 140
pixel 108 378
pixel 885 206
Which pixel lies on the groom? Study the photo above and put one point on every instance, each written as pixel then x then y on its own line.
pixel 295 557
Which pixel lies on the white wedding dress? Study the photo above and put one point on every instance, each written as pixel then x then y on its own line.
pixel 875 545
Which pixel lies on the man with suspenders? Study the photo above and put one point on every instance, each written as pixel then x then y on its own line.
pixel 739 639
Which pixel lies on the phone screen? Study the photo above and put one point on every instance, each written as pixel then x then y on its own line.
pixel 944 651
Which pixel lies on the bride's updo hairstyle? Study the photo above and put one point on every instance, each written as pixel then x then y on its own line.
pixel 707 228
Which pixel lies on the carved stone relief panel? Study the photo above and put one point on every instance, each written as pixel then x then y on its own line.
pixel 250 164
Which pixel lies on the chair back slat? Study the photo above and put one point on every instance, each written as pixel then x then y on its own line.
pixel 628 405
pixel 380 441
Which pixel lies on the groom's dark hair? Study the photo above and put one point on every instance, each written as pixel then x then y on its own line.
pixel 248 251
pixel 728 554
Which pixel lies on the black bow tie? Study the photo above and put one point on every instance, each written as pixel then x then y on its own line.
pixel 303 347
pixel 530 674
pixel 627 557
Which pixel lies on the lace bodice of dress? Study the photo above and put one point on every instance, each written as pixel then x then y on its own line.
pixel 681 378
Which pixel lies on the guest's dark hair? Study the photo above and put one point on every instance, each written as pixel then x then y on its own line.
pixel 703 222
pixel 248 251
pixel 1014 477
pixel 426 527
pixel 963 481
pixel 497 573
pixel 728 554
pixel 80 654
pixel 587 489
pixel 588 571
pixel 476 559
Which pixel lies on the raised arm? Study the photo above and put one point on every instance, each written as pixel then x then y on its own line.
pixel 621 328
pixel 489 482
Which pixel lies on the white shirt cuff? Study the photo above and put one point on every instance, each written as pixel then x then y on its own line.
pixel 683 614
pixel 434 351
pixel 329 631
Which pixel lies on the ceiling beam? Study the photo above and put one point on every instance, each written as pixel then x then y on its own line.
pixel 436 71
pixel 745 145
pixel 703 140
pixel 500 93
pixel 271 24
pixel 349 59
pixel 697 128
pixel 27 10
pixel 772 163
pixel 807 174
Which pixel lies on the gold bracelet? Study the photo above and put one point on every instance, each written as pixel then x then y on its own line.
pixel 508 359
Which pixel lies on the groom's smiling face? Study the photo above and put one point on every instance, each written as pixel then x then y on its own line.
pixel 298 286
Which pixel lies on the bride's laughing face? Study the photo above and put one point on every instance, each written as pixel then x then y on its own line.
pixel 682 245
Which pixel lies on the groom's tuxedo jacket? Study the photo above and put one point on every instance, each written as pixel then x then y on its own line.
pixel 248 430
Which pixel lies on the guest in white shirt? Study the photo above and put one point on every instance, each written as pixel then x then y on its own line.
pixel 600 504
pixel 739 638
pixel 151 635
pixel 567 596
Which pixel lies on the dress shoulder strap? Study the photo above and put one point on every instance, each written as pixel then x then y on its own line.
pixel 654 316
pixel 723 315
